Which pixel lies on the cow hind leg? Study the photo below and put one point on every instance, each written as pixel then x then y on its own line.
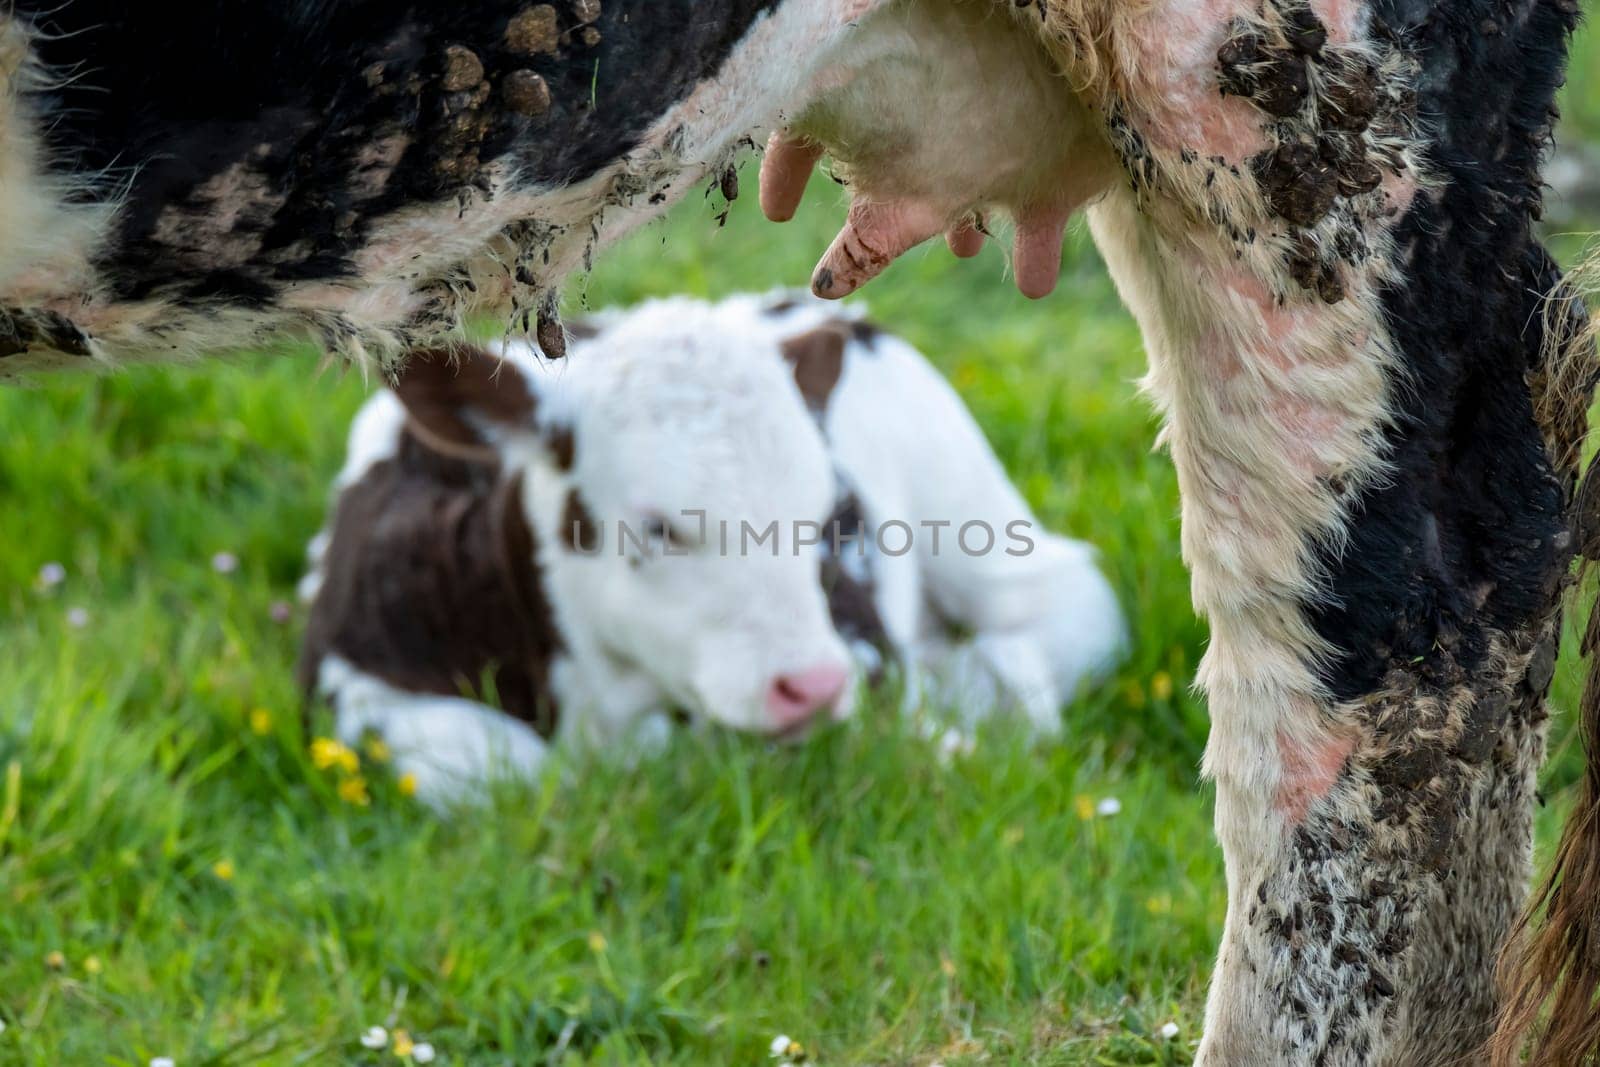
pixel 1366 932
pixel 1376 475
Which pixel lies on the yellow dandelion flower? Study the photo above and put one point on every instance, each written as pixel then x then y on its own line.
pixel 353 790
pixel 55 959
pixel 1012 835
pixel 597 941
pixel 326 752
pixel 223 869
pixel 260 722
pixel 1161 686
pixel 408 784
pixel 92 965
pixel 377 750
pixel 403 1045
pixel 1084 806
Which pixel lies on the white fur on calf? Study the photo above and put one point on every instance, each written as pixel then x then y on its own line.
pixel 1041 616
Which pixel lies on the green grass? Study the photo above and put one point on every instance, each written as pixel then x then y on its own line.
pixel 853 892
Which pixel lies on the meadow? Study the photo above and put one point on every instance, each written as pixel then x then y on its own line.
pixel 180 878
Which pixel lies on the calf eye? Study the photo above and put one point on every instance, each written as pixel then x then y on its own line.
pixel 661 536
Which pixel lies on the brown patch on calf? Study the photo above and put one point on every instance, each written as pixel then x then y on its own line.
pixel 563 446
pixel 579 530
pixel 852 603
pixel 453 396
pixel 817 357
pixel 431 584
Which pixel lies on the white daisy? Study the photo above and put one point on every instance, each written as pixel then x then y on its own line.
pixel 1108 807
pixel 953 743
pixel 224 562
pixel 1168 1031
pixel 374 1037
pixel 78 618
pixel 422 1052
pixel 51 575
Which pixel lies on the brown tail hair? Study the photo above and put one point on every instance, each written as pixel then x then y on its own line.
pixel 1553 953
pixel 1559 960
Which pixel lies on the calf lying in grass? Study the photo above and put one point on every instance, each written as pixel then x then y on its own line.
pixel 729 510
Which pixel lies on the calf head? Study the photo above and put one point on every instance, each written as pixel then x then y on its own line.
pixel 676 486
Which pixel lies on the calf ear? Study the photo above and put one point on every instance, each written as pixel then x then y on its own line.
pixel 817 358
pixel 458 397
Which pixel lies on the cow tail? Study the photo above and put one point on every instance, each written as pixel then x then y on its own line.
pixel 1553 955
pixel 1549 972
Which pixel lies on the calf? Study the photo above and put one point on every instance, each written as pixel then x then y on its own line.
pixel 706 510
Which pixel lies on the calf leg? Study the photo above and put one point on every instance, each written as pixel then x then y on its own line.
pixel 452 748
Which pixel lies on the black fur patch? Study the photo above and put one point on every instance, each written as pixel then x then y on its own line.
pixel 297 97
pixel 1467 536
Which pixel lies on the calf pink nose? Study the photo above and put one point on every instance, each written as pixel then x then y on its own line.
pixel 796 698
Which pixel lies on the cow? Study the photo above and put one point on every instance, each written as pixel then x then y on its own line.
pixel 1372 376
pixel 732 511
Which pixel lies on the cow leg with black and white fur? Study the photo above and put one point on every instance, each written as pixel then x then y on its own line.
pixel 1322 221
